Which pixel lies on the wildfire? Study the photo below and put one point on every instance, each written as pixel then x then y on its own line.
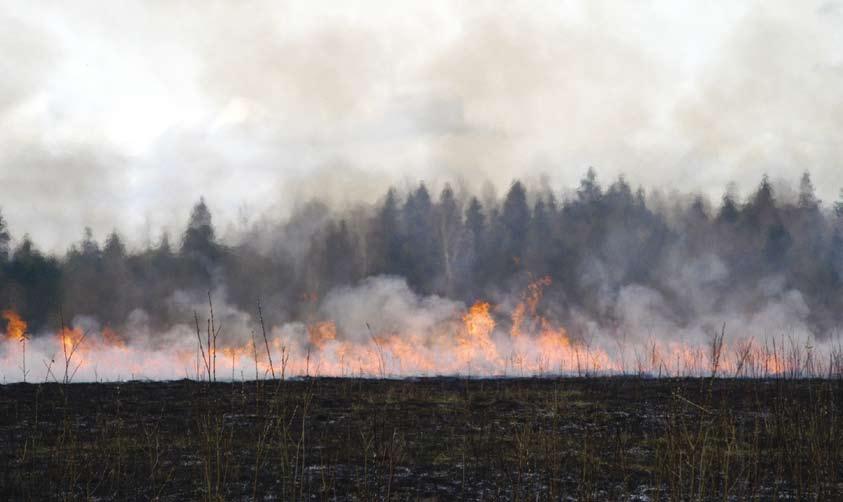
pixel 71 339
pixel 553 341
pixel 16 327
pixel 112 339
pixel 539 346
pixel 475 339
pixel 236 352
pixel 528 305
pixel 469 341
pixel 320 333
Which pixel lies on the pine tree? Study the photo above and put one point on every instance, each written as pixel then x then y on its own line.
pixel 589 190
pixel 5 238
pixel 515 223
pixel 539 240
pixel 199 240
pixel 423 249
pixel 449 224
pixel 807 199
pixel 384 243
pixel 729 212
pixel 340 260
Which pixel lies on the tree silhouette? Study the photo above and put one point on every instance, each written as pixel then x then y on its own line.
pixel 385 239
pixel 450 236
pixel 5 238
pixel 199 240
pixel 515 223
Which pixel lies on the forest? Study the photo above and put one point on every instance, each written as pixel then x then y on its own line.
pixel 590 242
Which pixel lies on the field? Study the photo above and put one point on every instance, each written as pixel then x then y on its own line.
pixel 612 438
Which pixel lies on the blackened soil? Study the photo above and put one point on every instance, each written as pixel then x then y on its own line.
pixel 424 439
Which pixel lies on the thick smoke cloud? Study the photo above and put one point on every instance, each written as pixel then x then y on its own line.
pixel 249 105
pixel 386 305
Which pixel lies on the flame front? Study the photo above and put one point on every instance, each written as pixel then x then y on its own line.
pixel 480 341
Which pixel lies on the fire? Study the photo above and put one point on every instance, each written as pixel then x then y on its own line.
pixel 517 320
pixel 16 327
pixel 320 333
pixel 538 346
pixel 475 339
pixel 16 331
pixel 407 354
pixel 528 305
pixel 112 339
pixel 478 321
pixel 478 341
pixel 71 339
pixel 553 342
pixel 236 352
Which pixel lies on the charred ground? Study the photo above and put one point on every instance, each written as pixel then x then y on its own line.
pixel 620 438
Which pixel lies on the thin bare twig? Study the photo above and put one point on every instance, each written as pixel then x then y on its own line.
pixel 266 341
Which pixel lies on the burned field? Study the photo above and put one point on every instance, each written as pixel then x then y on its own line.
pixel 618 438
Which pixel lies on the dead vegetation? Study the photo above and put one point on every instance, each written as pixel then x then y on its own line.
pixel 621 438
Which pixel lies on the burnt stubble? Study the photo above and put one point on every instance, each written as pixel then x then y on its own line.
pixel 444 438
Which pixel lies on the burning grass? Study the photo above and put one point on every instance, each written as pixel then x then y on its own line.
pixel 726 420
pixel 422 339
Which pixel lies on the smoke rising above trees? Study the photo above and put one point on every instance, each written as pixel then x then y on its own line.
pixel 597 245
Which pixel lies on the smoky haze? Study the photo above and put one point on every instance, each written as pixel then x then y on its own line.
pixel 387 167
pixel 108 112
pixel 449 281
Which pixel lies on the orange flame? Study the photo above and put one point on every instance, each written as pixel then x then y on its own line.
pixel 475 339
pixel 71 339
pixel 466 340
pixel 112 339
pixel 320 333
pixel 528 305
pixel 16 328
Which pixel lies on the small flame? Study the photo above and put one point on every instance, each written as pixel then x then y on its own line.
pixel 475 339
pixel 468 340
pixel 528 305
pixel 16 327
pixel 111 339
pixel 71 339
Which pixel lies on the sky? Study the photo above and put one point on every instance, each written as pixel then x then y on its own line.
pixel 122 114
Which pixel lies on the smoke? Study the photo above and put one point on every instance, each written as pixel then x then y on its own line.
pixel 294 120
pixel 249 106
pixel 381 328
pixel 386 305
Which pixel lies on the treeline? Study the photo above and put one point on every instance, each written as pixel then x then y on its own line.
pixel 591 243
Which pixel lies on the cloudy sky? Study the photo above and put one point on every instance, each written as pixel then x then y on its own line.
pixel 124 113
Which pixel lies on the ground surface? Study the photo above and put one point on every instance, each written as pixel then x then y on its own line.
pixel 428 439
